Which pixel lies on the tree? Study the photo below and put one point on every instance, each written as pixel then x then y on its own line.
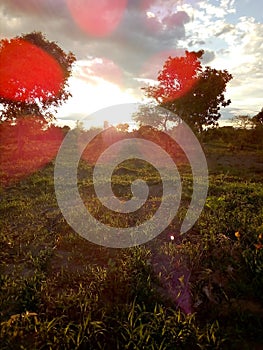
pixel 158 118
pixel 122 127
pixel 258 128
pixel 243 122
pixel 258 119
pixel 33 76
pixel 192 93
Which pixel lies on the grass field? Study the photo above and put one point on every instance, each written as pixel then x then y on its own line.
pixel 202 290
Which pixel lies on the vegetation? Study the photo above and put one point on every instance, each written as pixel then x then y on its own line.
pixel 192 93
pixel 59 291
pixel 33 84
pixel 258 119
pixel 200 290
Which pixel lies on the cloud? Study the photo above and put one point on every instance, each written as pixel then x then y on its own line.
pixel 226 28
pixel 235 46
pixel 98 68
pixel 195 43
pixel 208 57
pixel 149 32
pixel 19 20
pixel 43 10
pixel 134 42
pixel 225 7
pixel 177 19
pixel 155 63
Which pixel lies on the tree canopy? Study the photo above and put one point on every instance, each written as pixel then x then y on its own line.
pixel 156 117
pixel 122 127
pixel 258 118
pixel 33 76
pixel 243 122
pixel 193 93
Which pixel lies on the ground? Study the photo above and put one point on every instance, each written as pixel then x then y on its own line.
pixel 201 290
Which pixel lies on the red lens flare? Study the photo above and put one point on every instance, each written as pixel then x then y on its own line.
pixel 26 147
pixel 97 18
pixel 27 72
pixel 178 75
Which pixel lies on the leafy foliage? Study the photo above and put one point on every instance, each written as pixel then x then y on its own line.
pixel 34 74
pixel 258 118
pixel 243 122
pixel 192 93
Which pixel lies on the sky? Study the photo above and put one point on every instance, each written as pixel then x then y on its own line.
pixel 120 46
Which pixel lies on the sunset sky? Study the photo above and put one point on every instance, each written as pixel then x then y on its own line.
pixel 121 45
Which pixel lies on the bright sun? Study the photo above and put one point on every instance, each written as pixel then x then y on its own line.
pixel 90 95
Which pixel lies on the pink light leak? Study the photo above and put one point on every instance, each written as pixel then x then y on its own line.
pixel 103 68
pixel 174 278
pixel 154 63
pixel 99 144
pixel 98 18
pixel 26 147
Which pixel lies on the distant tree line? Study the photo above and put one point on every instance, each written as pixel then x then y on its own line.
pixel 246 132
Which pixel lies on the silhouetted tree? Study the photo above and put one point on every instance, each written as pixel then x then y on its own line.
pixel 156 117
pixel 192 93
pixel 243 122
pixel 258 118
pixel 122 127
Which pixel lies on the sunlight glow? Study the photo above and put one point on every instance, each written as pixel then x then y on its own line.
pixel 89 97
pixel 150 14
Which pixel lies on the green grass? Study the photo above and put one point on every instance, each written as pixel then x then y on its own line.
pixel 60 291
